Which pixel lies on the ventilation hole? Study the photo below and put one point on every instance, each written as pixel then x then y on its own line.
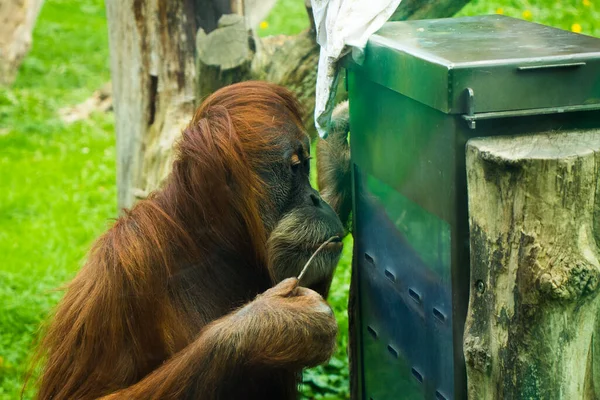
pixel 390 275
pixel 439 315
pixel 415 296
pixel 439 396
pixel 369 258
pixel 392 351
pixel 417 375
pixel 372 331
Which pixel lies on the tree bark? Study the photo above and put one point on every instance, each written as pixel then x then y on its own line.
pixel 155 45
pixel 532 324
pixel 152 44
pixel 153 57
pixel 17 19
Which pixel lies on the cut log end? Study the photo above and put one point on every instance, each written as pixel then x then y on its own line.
pixel 532 210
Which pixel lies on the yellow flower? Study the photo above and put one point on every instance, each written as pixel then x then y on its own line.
pixel 576 28
pixel 264 25
pixel 587 3
pixel 500 10
pixel 526 14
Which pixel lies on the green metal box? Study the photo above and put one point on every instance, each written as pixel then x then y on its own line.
pixel 422 90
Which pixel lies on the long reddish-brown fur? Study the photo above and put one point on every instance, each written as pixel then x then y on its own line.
pixel 184 257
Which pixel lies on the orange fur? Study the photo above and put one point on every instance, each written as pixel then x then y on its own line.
pixel 149 315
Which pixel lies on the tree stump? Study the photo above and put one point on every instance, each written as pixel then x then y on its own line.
pixel 532 324
pixel 17 19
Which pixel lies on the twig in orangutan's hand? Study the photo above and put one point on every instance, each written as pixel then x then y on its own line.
pixel 331 239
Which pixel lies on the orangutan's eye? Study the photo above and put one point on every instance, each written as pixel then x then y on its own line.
pixel 296 163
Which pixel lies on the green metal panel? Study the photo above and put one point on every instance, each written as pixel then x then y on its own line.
pixel 407 228
pixel 503 60
pixel 410 118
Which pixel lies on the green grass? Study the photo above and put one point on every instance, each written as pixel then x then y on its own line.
pixel 57 181
pixel 288 17
pixel 562 14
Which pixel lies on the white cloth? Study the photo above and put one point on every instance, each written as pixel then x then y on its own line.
pixel 342 26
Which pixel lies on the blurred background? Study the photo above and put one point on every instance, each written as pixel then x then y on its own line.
pixel 57 166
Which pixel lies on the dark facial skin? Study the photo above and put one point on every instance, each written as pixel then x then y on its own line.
pixel 299 220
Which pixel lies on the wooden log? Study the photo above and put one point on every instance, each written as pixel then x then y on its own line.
pixel 17 19
pixel 223 56
pixel 532 323
pixel 153 68
pixel 152 45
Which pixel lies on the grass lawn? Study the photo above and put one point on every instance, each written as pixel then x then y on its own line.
pixel 57 181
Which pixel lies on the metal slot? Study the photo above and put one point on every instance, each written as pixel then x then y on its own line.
pixel 372 331
pixel 551 66
pixel 439 396
pixel 417 375
pixel 414 295
pixel 392 351
pixel 529 112
pixel 439 315
pixel 390 275
pixel 369 258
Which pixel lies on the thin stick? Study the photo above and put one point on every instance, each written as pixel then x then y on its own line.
pixel 314 254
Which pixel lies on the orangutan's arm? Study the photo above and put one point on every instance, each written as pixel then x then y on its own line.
pixel 284 327
pixel 333 165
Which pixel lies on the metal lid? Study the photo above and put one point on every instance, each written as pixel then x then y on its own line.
pixel 507 63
